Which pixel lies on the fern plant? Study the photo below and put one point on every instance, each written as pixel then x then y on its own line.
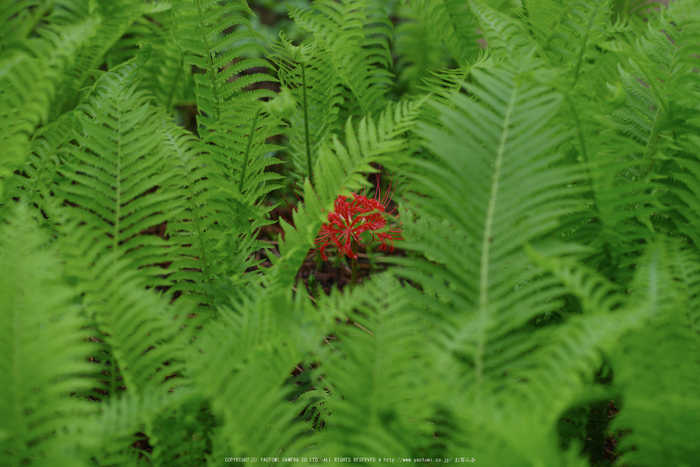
pixel 540 308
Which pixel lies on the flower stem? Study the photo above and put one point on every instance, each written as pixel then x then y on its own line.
pixel 319 260
pixel 353 276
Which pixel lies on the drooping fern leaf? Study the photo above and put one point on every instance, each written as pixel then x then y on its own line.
pixel 28 90
pixel 454 26
pixel 44 350
pixel 377 362
pixel 504 35
pixel 245 378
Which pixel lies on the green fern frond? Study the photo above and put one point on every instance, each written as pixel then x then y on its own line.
pixel 114 174
pixel 165 75
pixel 558 371
pixel 452 24
pixel 235 122
pixel 18 19
pixel 637 9
pixel 28 90
pixel 500 185
pixel 134 332
pixel 195 233
pixel 573 37
pixel 33 181
pixel 418 53
pixel 540 16
pixel 308 71
pixel 373 373
pixel 443 85
pixel 124 423
pixel 218 39
pixel 43 343
pixel 105 33
pixel 356 35
pixel 214 221
pixel 241 151
pixel 682 182
pixel 684 264
pixel 596 293
pixel 658 63
pixel 657 367
pixel 655 112
pixel 504 35
pixel 245 377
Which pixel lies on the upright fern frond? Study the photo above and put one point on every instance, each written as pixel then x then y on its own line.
pixel 308 71
pixel 498 152
pixel 356 36
pixel 217 38
pixel 659 384
pixel 212 218
pixel 657 108
pixel 580 26
pixel 114 171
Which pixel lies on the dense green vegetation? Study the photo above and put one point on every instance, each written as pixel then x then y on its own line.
pixel 541 305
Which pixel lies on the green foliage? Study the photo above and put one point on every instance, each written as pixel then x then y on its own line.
pixel 543 157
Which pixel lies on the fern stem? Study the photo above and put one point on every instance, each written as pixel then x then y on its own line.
pixel 171 94
pixel 584 151
pixel 526 14
pixel 306 119
pixel 487 239
pixel 247 149
pixel 210 62
pixel 579 59
pixel 113 376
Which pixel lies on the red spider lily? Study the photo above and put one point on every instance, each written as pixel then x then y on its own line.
pixel 352 217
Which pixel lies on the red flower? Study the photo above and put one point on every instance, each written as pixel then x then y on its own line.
pixel 352 217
